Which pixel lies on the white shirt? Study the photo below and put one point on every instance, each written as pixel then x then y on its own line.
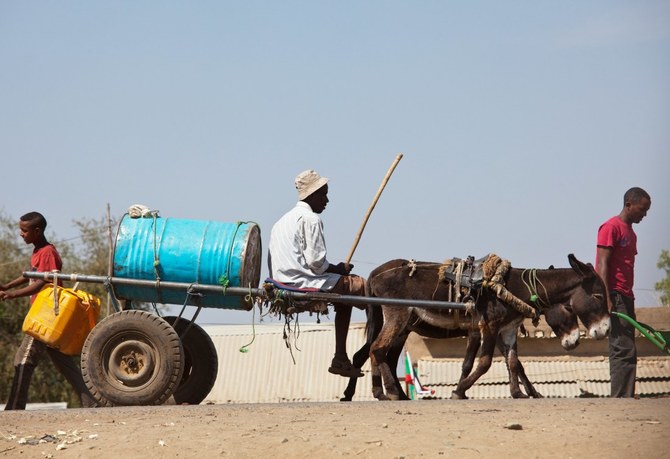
pixel 297 250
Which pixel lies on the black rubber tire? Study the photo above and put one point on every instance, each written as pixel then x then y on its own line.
pixel 201 364
pixel 132 358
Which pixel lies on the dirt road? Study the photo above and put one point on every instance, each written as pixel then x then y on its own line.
pixel 564 428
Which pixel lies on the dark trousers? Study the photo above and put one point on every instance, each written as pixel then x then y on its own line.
pixel 27 357
pixel 622 352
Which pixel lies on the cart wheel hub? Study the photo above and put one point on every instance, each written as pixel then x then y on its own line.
pixel 132 363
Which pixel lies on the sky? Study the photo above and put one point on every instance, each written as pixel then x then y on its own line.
pixel 521 123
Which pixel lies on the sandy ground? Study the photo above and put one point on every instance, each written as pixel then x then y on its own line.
pixel 543 428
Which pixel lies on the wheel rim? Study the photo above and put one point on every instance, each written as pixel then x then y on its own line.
pixel 132 363
pixel 132 358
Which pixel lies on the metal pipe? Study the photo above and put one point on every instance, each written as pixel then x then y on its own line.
pixel 242 291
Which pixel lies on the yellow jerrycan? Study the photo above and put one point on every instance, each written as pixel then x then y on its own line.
pixel 62 323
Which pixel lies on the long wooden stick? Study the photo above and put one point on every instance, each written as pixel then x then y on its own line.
pixel 372 206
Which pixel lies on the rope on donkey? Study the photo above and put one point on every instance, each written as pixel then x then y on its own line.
pixel 495 269
pixel 531 285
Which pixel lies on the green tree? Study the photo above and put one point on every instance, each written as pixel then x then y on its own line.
pixel 91 256
pixel 663 286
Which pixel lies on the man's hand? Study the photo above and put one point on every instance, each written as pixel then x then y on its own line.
pixel 341 268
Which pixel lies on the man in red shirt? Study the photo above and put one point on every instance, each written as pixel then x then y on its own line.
pixel 615 263
pixel 45 258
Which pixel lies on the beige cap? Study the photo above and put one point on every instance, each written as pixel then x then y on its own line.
pixel 307 182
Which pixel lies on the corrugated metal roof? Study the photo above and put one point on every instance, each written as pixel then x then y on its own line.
pixel 643 388
pixel 648 388
pixel 266 373
pixel 448 371
pixel 653 368
pixel 42 406
pixel 595 388
pixel 497 391
pixel 551 377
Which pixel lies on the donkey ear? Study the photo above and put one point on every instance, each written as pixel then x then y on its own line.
pixel 586 270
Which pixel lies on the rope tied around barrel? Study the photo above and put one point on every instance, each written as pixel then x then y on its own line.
pixel 224 282
pixel 107 284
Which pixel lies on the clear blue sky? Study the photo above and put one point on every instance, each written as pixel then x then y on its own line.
pixel 522 122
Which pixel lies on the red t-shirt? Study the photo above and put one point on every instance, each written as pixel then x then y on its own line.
pixel 620 237
pixel 45 259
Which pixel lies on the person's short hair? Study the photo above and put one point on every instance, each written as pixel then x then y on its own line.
pixel 36 219
pixel 635 195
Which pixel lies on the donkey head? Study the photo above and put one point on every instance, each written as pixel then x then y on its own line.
pixel 563 322
pixel 588 299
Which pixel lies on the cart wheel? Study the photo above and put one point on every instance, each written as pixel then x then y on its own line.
pixel 201 364
pixel 132 358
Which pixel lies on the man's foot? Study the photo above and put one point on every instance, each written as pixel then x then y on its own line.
pixel 343 367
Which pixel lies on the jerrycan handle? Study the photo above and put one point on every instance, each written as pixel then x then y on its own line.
pixel 56 295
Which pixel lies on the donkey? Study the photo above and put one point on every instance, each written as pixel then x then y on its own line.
pixel 375 320
pixel 559 294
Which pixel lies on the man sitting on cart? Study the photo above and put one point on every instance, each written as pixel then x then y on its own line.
pixel 297 256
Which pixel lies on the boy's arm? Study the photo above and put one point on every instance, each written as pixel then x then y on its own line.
pixel 31 289
pixel 604 254
pixel 15 283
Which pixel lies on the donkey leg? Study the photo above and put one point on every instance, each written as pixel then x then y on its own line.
pixel 360 357
pixel 471 349
pixel 488 346
pixel 530 389
pixel 395 320
pixel 506 342
pixel 377 359
pixel 393 358
pixel 516 371
pixel 527 385
pixel 514 366
pixel 389 374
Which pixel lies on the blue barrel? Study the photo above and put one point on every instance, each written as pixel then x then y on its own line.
pixel 188 251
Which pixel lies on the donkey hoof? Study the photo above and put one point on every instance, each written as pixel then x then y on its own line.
pixel 519 395
pixel 458 396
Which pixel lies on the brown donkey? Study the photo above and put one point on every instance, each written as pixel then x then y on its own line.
pixel 559 294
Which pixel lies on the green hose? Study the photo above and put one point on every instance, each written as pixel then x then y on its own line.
pixel 656 337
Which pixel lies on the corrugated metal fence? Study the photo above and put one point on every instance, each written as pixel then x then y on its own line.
pixel 555 378
pixel 266 372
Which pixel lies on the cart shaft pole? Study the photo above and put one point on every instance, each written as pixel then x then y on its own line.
pixel 242 291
